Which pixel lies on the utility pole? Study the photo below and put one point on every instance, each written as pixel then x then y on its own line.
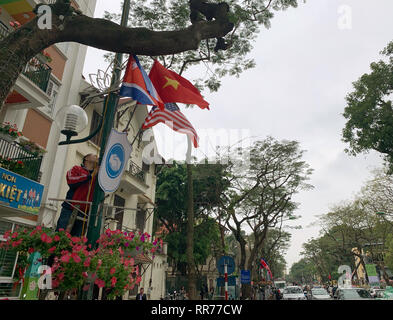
pixel 111 102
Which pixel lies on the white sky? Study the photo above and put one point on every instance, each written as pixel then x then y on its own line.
pixel 306 64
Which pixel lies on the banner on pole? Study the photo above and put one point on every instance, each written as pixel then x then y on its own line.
pixel 114 162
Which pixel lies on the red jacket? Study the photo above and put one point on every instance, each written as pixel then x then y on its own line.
pixel 79 180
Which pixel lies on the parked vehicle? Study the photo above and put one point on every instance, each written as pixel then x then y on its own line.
pixel 294 293
pixel 319 294
pixel 352 294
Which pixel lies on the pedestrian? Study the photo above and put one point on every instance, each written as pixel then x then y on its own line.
pixel 202 292
pixel 81 181
pixel 182 293
pixel 141 295
pixel 278 294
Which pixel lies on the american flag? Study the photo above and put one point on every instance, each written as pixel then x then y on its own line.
pixel 173 118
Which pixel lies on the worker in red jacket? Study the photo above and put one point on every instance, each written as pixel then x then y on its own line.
pixel 81 180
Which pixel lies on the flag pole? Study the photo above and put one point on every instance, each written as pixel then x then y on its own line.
pixel 94 226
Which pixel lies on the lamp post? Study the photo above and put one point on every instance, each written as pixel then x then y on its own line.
pixel 72 117
pixel 110 103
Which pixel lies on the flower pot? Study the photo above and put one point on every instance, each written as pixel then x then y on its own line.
pixel 7 137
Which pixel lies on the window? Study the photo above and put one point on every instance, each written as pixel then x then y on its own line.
pixel 119 213
pixel 145 167
pixel 140 219
pixel 95 122
pixel 52 91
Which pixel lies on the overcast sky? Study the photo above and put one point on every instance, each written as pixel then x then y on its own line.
pixel 306 63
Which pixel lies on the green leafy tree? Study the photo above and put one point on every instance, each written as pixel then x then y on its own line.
pixel 302 271
pixel 171 199
pixel 369 111
pixel 260 194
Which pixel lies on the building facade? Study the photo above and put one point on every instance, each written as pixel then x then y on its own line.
pixel 49 82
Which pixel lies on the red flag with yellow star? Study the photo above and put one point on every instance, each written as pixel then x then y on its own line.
pixel 173 88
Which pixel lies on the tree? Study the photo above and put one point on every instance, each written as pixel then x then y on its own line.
pixel 260 194
pixel 172 212
pixel 184 26
pixel 302 271
pixel 273 250
pixel 369 111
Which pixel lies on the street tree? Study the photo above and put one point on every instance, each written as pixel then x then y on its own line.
pixel 303 271
pixel 358 231
pixel 273 250
pixel 369 110
pixel 260 194
pixel 172 213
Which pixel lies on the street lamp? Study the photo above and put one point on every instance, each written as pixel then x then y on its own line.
pixel 71 120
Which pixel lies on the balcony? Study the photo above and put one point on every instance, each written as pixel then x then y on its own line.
pixel 134 180
pixel 15 158
pixel 137 171
pixel 38 72
pixel 31 85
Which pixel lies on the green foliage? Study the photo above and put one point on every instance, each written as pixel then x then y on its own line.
pixel 248 17
pixel 369 111
pixel 171 199
pixel 389 253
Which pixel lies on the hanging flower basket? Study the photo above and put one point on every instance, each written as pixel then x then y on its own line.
pixel 9 132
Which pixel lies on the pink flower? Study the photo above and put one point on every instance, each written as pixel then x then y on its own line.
pixel 31 250
pixel 155 242
pixel 45 238
pixel 113 281
pixel 65 258
pixel 14 235
pixel 55 283
pixel 60 276
pixel 56 238
pixel 51 250
pixel 112 271
pixel 87 262
pixel 100 283
pixel 126 244
pixel 75 239
pixel 84 274
pixel 76 258
pixel 39 228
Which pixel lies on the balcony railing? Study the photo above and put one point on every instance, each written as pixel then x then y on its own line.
pixel 137 171
pixel 38 72
pixel 4 31
pixel 15 158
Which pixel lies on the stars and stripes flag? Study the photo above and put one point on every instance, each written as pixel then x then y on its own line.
pixel 173 118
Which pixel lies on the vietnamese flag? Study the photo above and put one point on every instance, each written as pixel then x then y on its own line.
pixel 173 88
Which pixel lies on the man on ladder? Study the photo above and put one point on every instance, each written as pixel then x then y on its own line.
pixel 81 180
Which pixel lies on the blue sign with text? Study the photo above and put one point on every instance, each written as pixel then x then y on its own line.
pixel 245 276
pixel 19 192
